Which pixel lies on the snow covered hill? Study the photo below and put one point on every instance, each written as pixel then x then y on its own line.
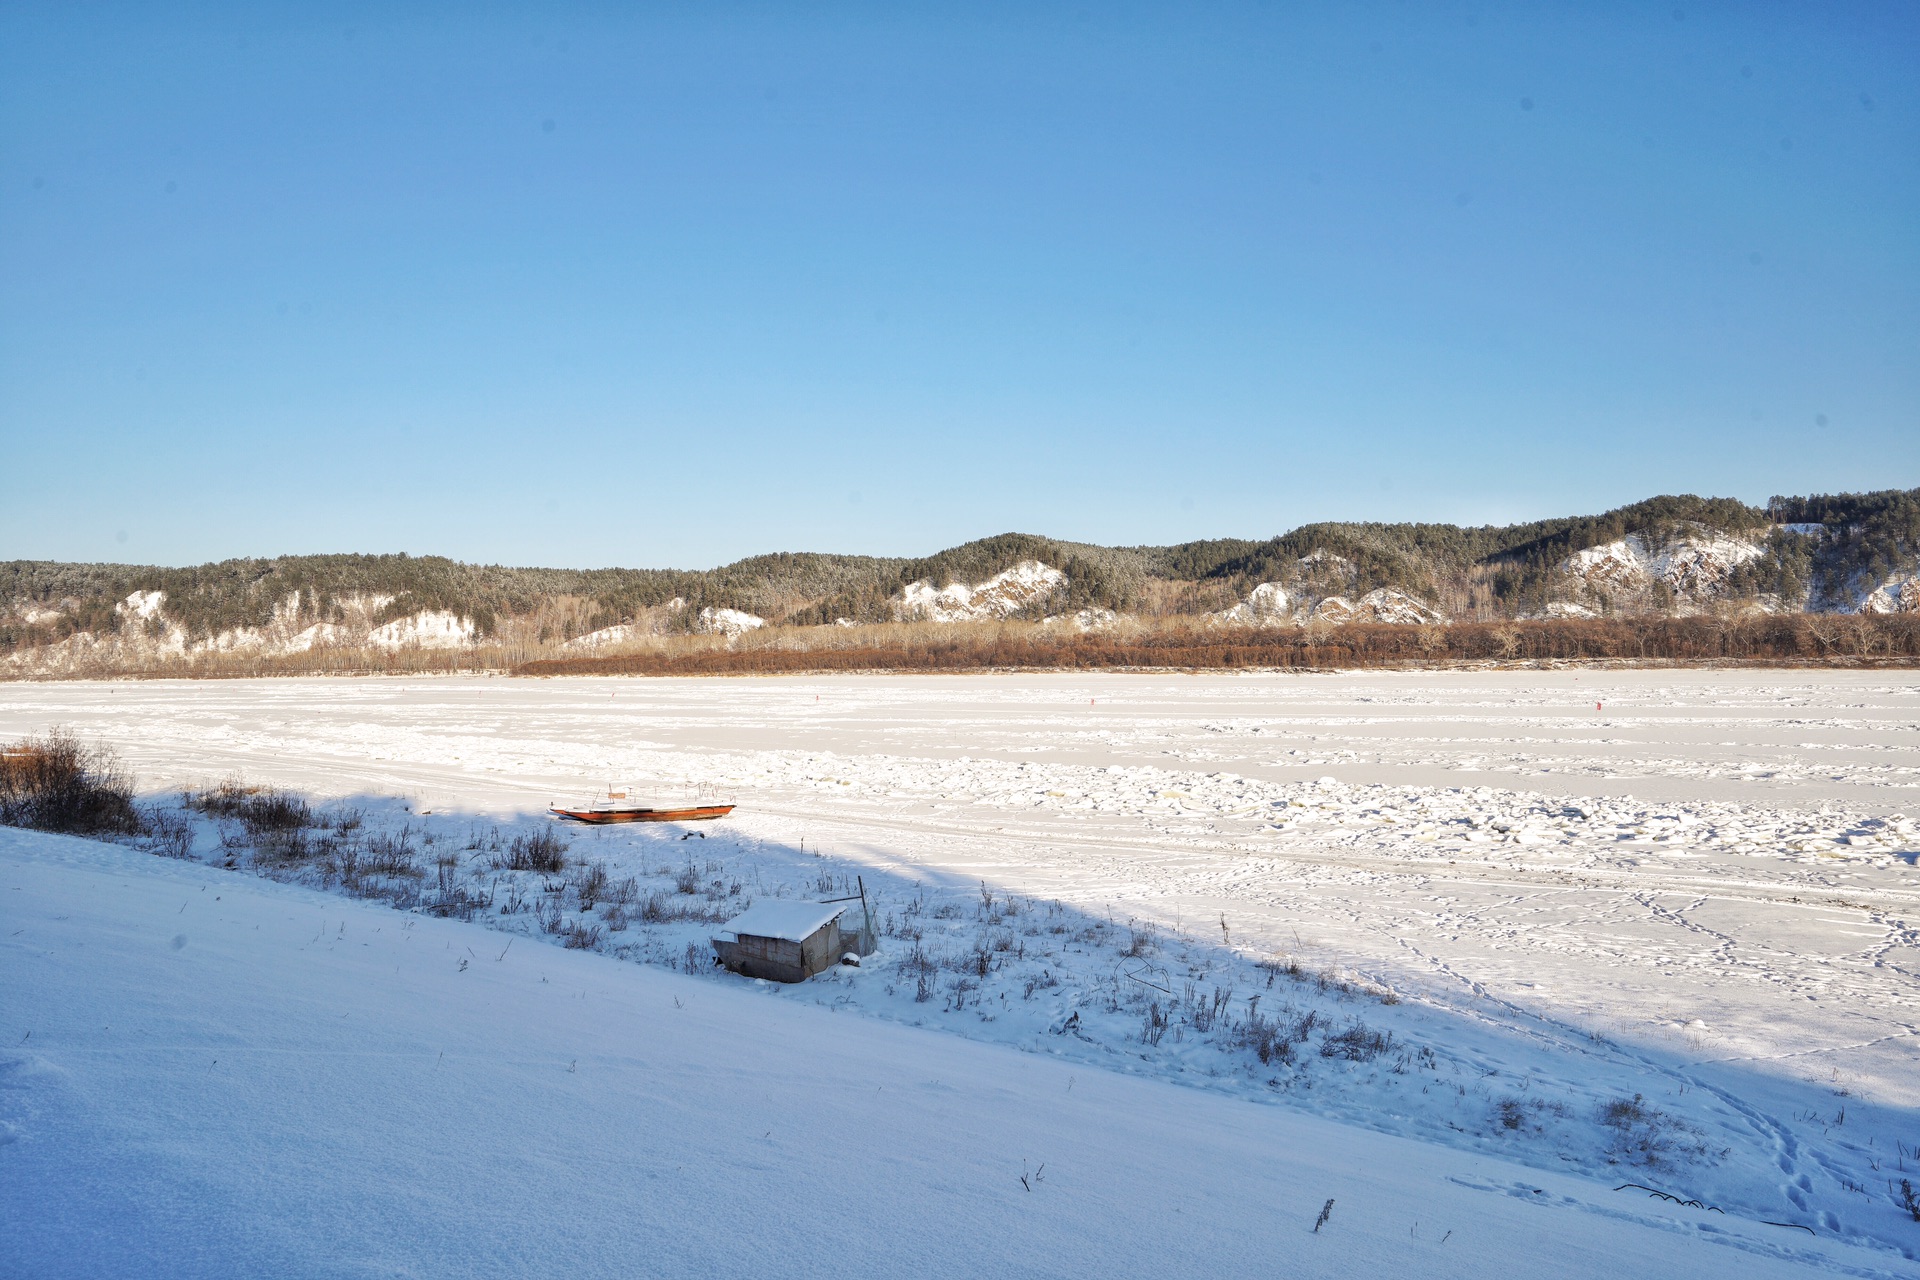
pixel 144 632
pixel 1004 595
pixel 205 1074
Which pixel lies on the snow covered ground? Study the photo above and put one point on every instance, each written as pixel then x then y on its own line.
pixel 1443 935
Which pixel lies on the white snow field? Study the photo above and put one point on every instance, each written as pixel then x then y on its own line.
pixel 1461 952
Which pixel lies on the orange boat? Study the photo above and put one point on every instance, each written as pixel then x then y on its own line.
pixel 616 808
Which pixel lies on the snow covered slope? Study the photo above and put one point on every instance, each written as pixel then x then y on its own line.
pixel 1896 595
pixel 731 623
pixel 207 1074
pixel 1693 566
pixel 604 638
pixel 144 632
pixel 1267 605
pixel 1702 893
pixel 1001 596
pixel 428 629
pixel 1377 606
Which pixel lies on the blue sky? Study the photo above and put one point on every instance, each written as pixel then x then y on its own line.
pixel 669 285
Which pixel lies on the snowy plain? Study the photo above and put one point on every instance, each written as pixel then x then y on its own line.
pixel 1547 934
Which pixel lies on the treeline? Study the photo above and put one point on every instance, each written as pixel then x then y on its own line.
pixel 1782 640
pixel 1472 571
pixel 208 599
pixel 1865 536
pixel 1465 569
pixel 1482 572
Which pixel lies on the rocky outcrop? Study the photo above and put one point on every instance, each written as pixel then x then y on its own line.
pixel 1398 607
pixel 1093 619
pixel 1893 597
pixel 1561 609
pixel 1394 607
pixel 428 629
pixel 1267 605
pixel 1006 594
pixel 1694 568
pixel 144 634
pixel 1270 605
pixel 731 623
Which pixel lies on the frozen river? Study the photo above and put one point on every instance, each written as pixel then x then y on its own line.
pixel 1711 870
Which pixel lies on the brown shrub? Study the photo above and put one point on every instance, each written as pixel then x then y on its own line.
pixel 1770 640
pixel 57 784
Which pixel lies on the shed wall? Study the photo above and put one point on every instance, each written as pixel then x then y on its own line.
pixel 780 960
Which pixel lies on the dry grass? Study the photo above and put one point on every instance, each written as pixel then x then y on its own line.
pixel 544 850
pixel 1356 1042
pixel 261 809
pixel 1642 1134
pixel 1143 642
pixel 56 783
pixel 1188 644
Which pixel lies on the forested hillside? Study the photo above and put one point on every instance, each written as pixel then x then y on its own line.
pixel 1666 556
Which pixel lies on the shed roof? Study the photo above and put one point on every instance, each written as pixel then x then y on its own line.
pixel 784 918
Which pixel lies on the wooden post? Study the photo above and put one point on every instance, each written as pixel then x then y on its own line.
pixel 868 943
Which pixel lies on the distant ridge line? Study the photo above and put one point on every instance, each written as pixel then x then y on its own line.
pixel 1670 557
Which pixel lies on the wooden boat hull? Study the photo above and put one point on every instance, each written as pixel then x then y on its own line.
pixel 696 813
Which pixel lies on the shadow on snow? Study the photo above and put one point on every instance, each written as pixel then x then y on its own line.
pixel 1120 994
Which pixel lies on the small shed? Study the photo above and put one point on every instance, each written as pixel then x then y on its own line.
pixel 783 940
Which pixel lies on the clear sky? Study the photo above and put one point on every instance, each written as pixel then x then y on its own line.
pixel 668 285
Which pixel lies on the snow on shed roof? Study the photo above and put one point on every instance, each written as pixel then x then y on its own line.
pixel 783 918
